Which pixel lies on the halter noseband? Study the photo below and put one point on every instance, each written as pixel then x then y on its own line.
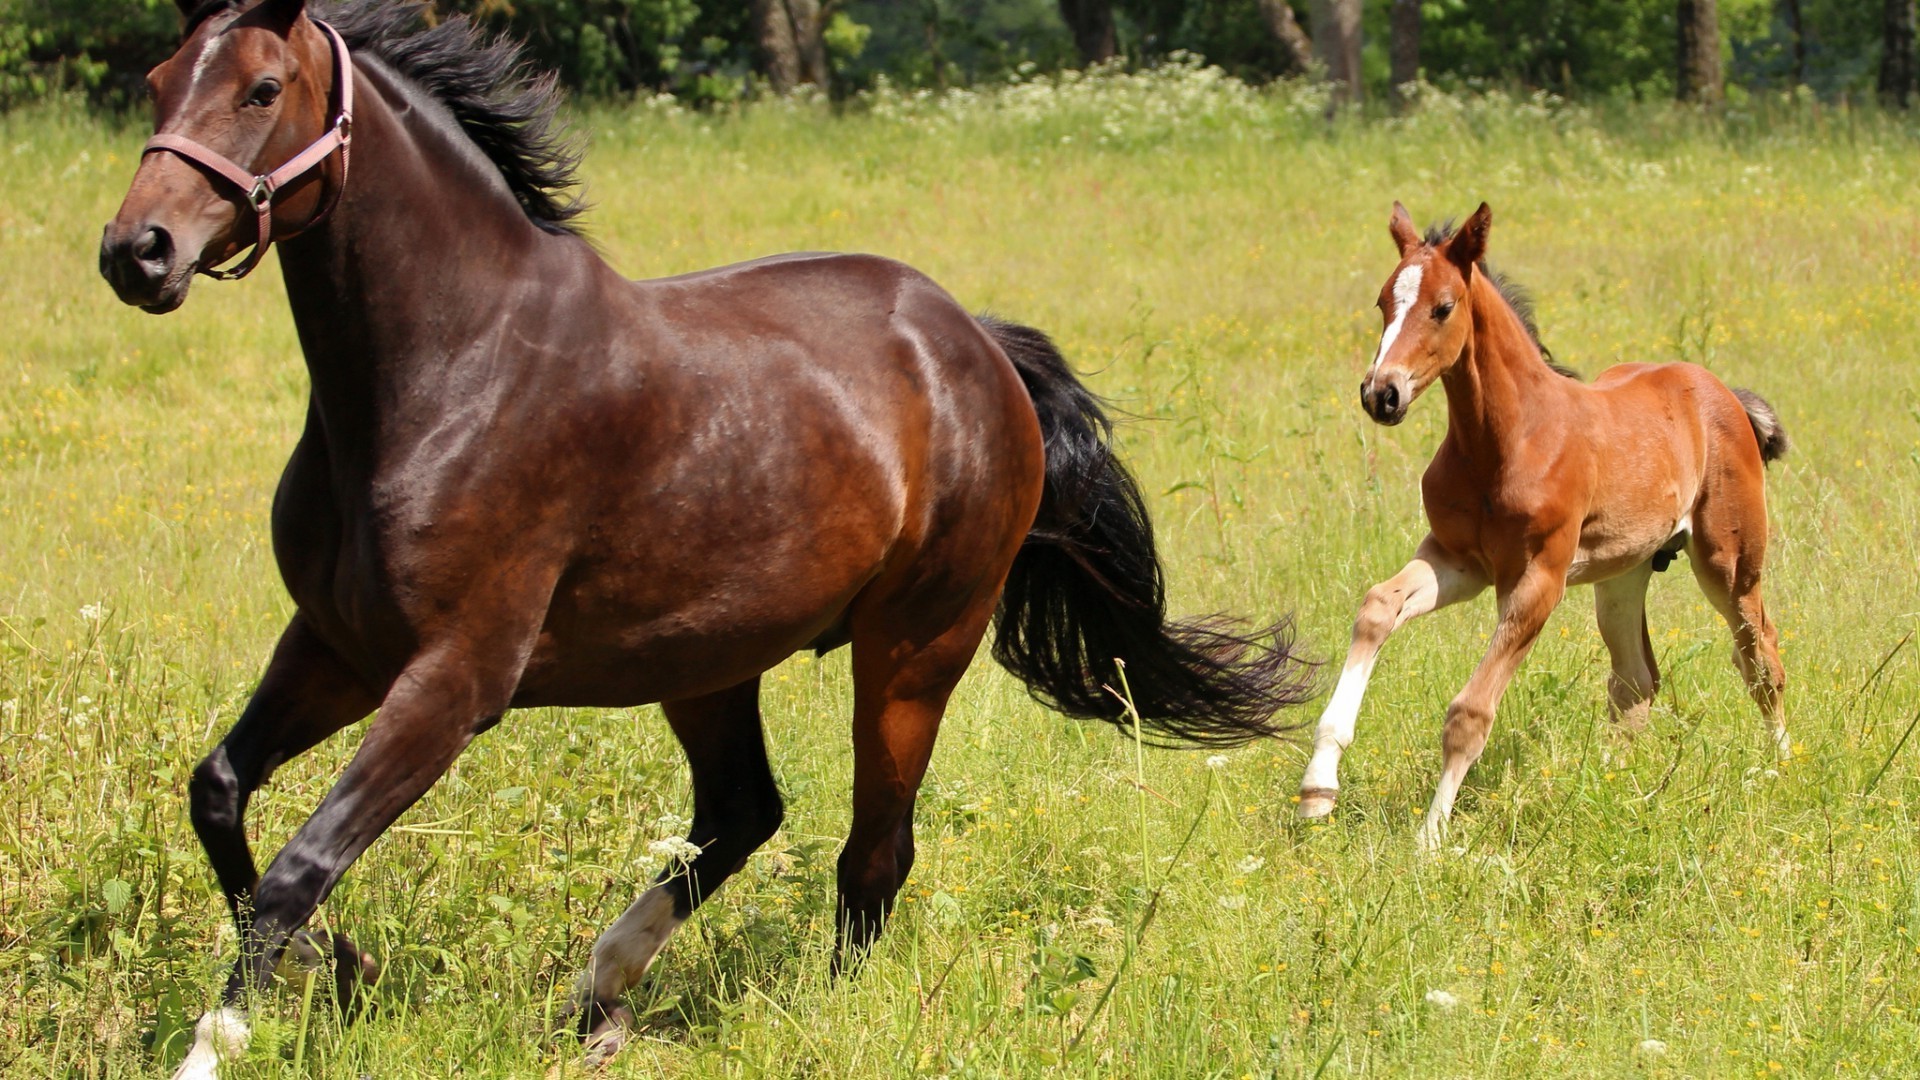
pixel 260 190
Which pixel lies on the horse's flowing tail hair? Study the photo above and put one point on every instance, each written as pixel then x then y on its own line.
pixel 1766 426
pixel 1085 596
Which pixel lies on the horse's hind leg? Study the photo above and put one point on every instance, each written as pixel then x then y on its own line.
pixel 736 808
pixel 901 686
pixel 307 694
pixel 1727 558
pixel 1620 607
pixel 1431 581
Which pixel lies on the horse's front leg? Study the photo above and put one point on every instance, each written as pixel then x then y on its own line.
pixel 1524 608
pixel 1433 580
pixel 439 702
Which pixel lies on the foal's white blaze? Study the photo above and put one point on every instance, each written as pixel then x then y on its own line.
pixel 1406 289
pixel 221 1035
pixel 627 948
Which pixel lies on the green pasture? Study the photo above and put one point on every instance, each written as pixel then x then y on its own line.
pixel 1210 257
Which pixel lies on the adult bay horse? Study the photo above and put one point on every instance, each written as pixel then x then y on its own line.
pixel 1544 482
pixel 526 481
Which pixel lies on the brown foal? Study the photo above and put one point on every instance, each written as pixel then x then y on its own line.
pixel 1544 482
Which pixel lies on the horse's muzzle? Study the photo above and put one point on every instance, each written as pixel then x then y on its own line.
pixel 1385 398
pixel 144 267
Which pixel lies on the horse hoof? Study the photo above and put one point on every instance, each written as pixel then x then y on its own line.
pixel 607 1036
pixel 1316 803
pixel 354 972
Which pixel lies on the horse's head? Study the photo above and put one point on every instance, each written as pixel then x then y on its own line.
pixel 1428 311
pixel 251 83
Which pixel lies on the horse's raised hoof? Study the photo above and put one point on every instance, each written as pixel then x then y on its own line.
pixel 1316 803
pixel 354 972
pixel 606 1027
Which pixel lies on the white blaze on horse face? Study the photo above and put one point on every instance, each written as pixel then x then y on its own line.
pixel 205 58
pixel 1406 289
pixel 221 1035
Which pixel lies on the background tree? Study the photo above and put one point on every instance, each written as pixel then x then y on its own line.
pixel 1294 44
pixel 1896 54
pixel 1697 74
pixel 792 45
pixel 1403 48
pixel 1336 45
pixel 1091 22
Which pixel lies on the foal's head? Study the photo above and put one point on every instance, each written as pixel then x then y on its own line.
pixel 250 82
pixel 1427 310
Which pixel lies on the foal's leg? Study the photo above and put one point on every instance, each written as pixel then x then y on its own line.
pixel 1620 607
pixel 1727 566
pixel 1431 581
pixel 736 808
pixel 1523 611
pixel 900 692
pixel 307 694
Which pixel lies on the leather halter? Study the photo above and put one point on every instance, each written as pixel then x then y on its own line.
pixel 259 190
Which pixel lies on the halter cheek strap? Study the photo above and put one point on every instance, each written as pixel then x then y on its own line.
pixel 259 190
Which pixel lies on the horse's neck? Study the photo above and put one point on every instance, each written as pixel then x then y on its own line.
pixel 1498 382
pixel 394 291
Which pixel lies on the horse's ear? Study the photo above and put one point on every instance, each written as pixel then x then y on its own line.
pixel 1469 245
pixel 280 14
pixel 1401 226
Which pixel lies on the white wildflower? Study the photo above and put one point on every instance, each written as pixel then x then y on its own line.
pixel 1653 1048
pixel 1234 902
pixel 669 823
pixel 10 708
pixel 1249 864
pixel 674 848
pixel 1217 761
pixel 1442 1000
pixel 94 612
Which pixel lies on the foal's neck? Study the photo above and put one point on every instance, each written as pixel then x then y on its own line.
pixel 1500 381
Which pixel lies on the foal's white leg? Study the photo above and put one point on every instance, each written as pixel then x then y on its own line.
pixel 1430 581
pixel 220 1036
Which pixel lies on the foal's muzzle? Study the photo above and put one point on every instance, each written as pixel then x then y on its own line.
pixel 144 266
pixel 1385 397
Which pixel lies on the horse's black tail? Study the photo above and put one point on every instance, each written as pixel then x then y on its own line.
pixel 1767 430
pixel 1085 595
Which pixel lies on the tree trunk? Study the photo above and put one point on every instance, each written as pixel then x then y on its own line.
pixel 793 47
pixel 1403 47
pixel 1092 24
pixel 1699 57
pixel 1336 45
pixel 1278 15
pixel 1896 54
pixel 1790 17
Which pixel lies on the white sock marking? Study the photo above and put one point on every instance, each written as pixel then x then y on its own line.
pixel 1335 731
pixel 1406 289
pixel 220 1036
pixel 627 948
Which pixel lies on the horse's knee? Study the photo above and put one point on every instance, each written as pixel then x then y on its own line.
pixel 1465 733
pixel 1378 614
pixel 213 795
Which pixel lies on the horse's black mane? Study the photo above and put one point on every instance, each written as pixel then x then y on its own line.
pixel 1514 293
pixel 483 80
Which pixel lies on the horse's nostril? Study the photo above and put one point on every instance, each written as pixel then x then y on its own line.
pixel 1389 399
pixel 154 245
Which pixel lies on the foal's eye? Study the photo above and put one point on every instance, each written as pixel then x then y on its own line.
pixel 1441 311
pixel 264 94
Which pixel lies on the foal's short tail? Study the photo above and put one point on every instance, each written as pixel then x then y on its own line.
pixel 1085 596
pixel 1767 429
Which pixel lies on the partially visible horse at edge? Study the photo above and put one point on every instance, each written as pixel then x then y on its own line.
pixel 527 481
pixel 1543 482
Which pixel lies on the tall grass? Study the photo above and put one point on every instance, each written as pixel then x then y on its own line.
pixel 1210 256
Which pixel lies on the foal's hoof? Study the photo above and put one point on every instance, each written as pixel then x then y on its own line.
pixel 611 1026
pixel 1316 803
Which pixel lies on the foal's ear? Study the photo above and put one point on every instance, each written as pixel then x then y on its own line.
pixel 1401 226
pixel 1469 245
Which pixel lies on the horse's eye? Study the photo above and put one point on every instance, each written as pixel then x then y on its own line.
pixel 1441 311
pixel 264 94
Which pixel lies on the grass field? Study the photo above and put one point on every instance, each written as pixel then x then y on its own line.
pixel 1211 257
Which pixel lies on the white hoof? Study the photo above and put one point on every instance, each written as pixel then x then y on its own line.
pixel 221 1035
pixel 1317 803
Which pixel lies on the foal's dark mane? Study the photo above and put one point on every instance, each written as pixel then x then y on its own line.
pixel 483 80
pixel 1514 293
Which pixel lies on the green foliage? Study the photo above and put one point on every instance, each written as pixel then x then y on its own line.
pixel 101 47
pixel 599 47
